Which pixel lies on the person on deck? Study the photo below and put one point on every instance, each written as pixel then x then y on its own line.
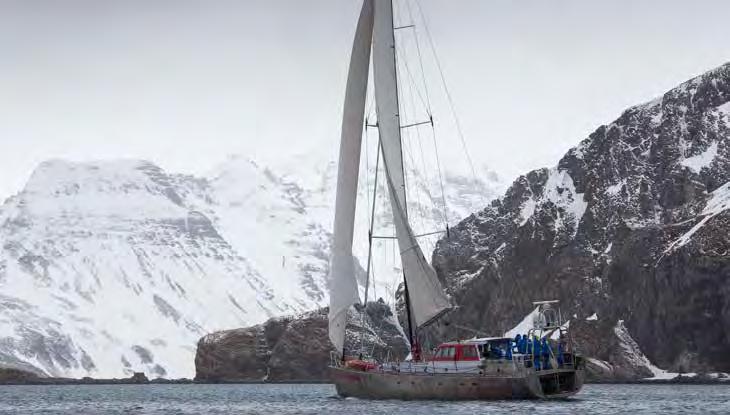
pixel 545 348
pixel 560 354
pixel 536 353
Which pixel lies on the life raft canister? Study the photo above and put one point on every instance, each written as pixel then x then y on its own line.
pixel 358 364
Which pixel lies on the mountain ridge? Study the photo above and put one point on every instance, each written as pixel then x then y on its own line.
pixel 623 227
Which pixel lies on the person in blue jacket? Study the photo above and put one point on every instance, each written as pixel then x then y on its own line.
pixel 518 343
pixel 545 348
pixel 536 353
pixel 560 354
pixel 523 345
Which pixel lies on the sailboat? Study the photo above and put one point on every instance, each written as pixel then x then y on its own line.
pixel 539 363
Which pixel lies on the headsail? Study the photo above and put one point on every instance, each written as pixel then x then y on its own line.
pixel 343 285
pixel 428 299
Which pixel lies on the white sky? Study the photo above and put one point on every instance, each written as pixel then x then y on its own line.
pixel 185 83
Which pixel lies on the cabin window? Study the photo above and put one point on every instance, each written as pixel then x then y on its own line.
pixel 469 353
pixel 450 352
pixel 445 353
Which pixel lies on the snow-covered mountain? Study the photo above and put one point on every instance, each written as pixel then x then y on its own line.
pixel 117 266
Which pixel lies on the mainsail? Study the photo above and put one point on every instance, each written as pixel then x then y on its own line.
pixel 343 285
pixel 427 297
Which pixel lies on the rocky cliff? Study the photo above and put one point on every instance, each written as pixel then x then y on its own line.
pixel 630 231
pixel 295 348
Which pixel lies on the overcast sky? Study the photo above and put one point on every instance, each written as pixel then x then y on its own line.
pixel 186 83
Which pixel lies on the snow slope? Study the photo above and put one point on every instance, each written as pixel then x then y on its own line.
pixel 112 267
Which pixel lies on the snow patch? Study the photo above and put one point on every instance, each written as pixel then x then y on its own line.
pixel 560 190
pixel 724 109
pixel 608 248
pixel 718 202
pixel 500 248
pixel 615 189
pixel 601 363
pixel 698 162
pixel 592 317
pixel 527 210
pixel 634 355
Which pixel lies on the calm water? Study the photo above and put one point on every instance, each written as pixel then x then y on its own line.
pixel 321 399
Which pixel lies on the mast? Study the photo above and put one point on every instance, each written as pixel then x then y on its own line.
pixel 389 38
pixel 411 332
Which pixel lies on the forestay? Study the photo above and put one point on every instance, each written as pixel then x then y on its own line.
pixel 343 285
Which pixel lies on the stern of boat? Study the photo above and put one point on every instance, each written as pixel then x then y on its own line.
pixel 558 384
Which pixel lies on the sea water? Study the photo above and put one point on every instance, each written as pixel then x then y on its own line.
pixel 321 399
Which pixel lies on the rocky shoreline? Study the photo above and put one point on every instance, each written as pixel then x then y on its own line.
pixel 294 348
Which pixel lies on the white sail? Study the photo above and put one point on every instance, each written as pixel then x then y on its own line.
pixel 343 285
pixel 427 297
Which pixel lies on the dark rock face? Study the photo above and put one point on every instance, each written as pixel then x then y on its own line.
pixel 632 225
pixel 293 348
pixel 12 376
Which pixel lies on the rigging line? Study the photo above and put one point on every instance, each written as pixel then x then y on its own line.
pixel 444 212
pixel 405 144
pixel 408 70
pixel 408 138
pixel 418 139
pixel 420 146
pixel 410 76
pixel 441 180
pixel 402 115
pixel 409 148
pixel 367 173
pixel 371 113
pixel 419 206
pixel 372 223
pixel 420 59
pixel 449 97
pixel 370 219
pixel 370 243
pixel 380 328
